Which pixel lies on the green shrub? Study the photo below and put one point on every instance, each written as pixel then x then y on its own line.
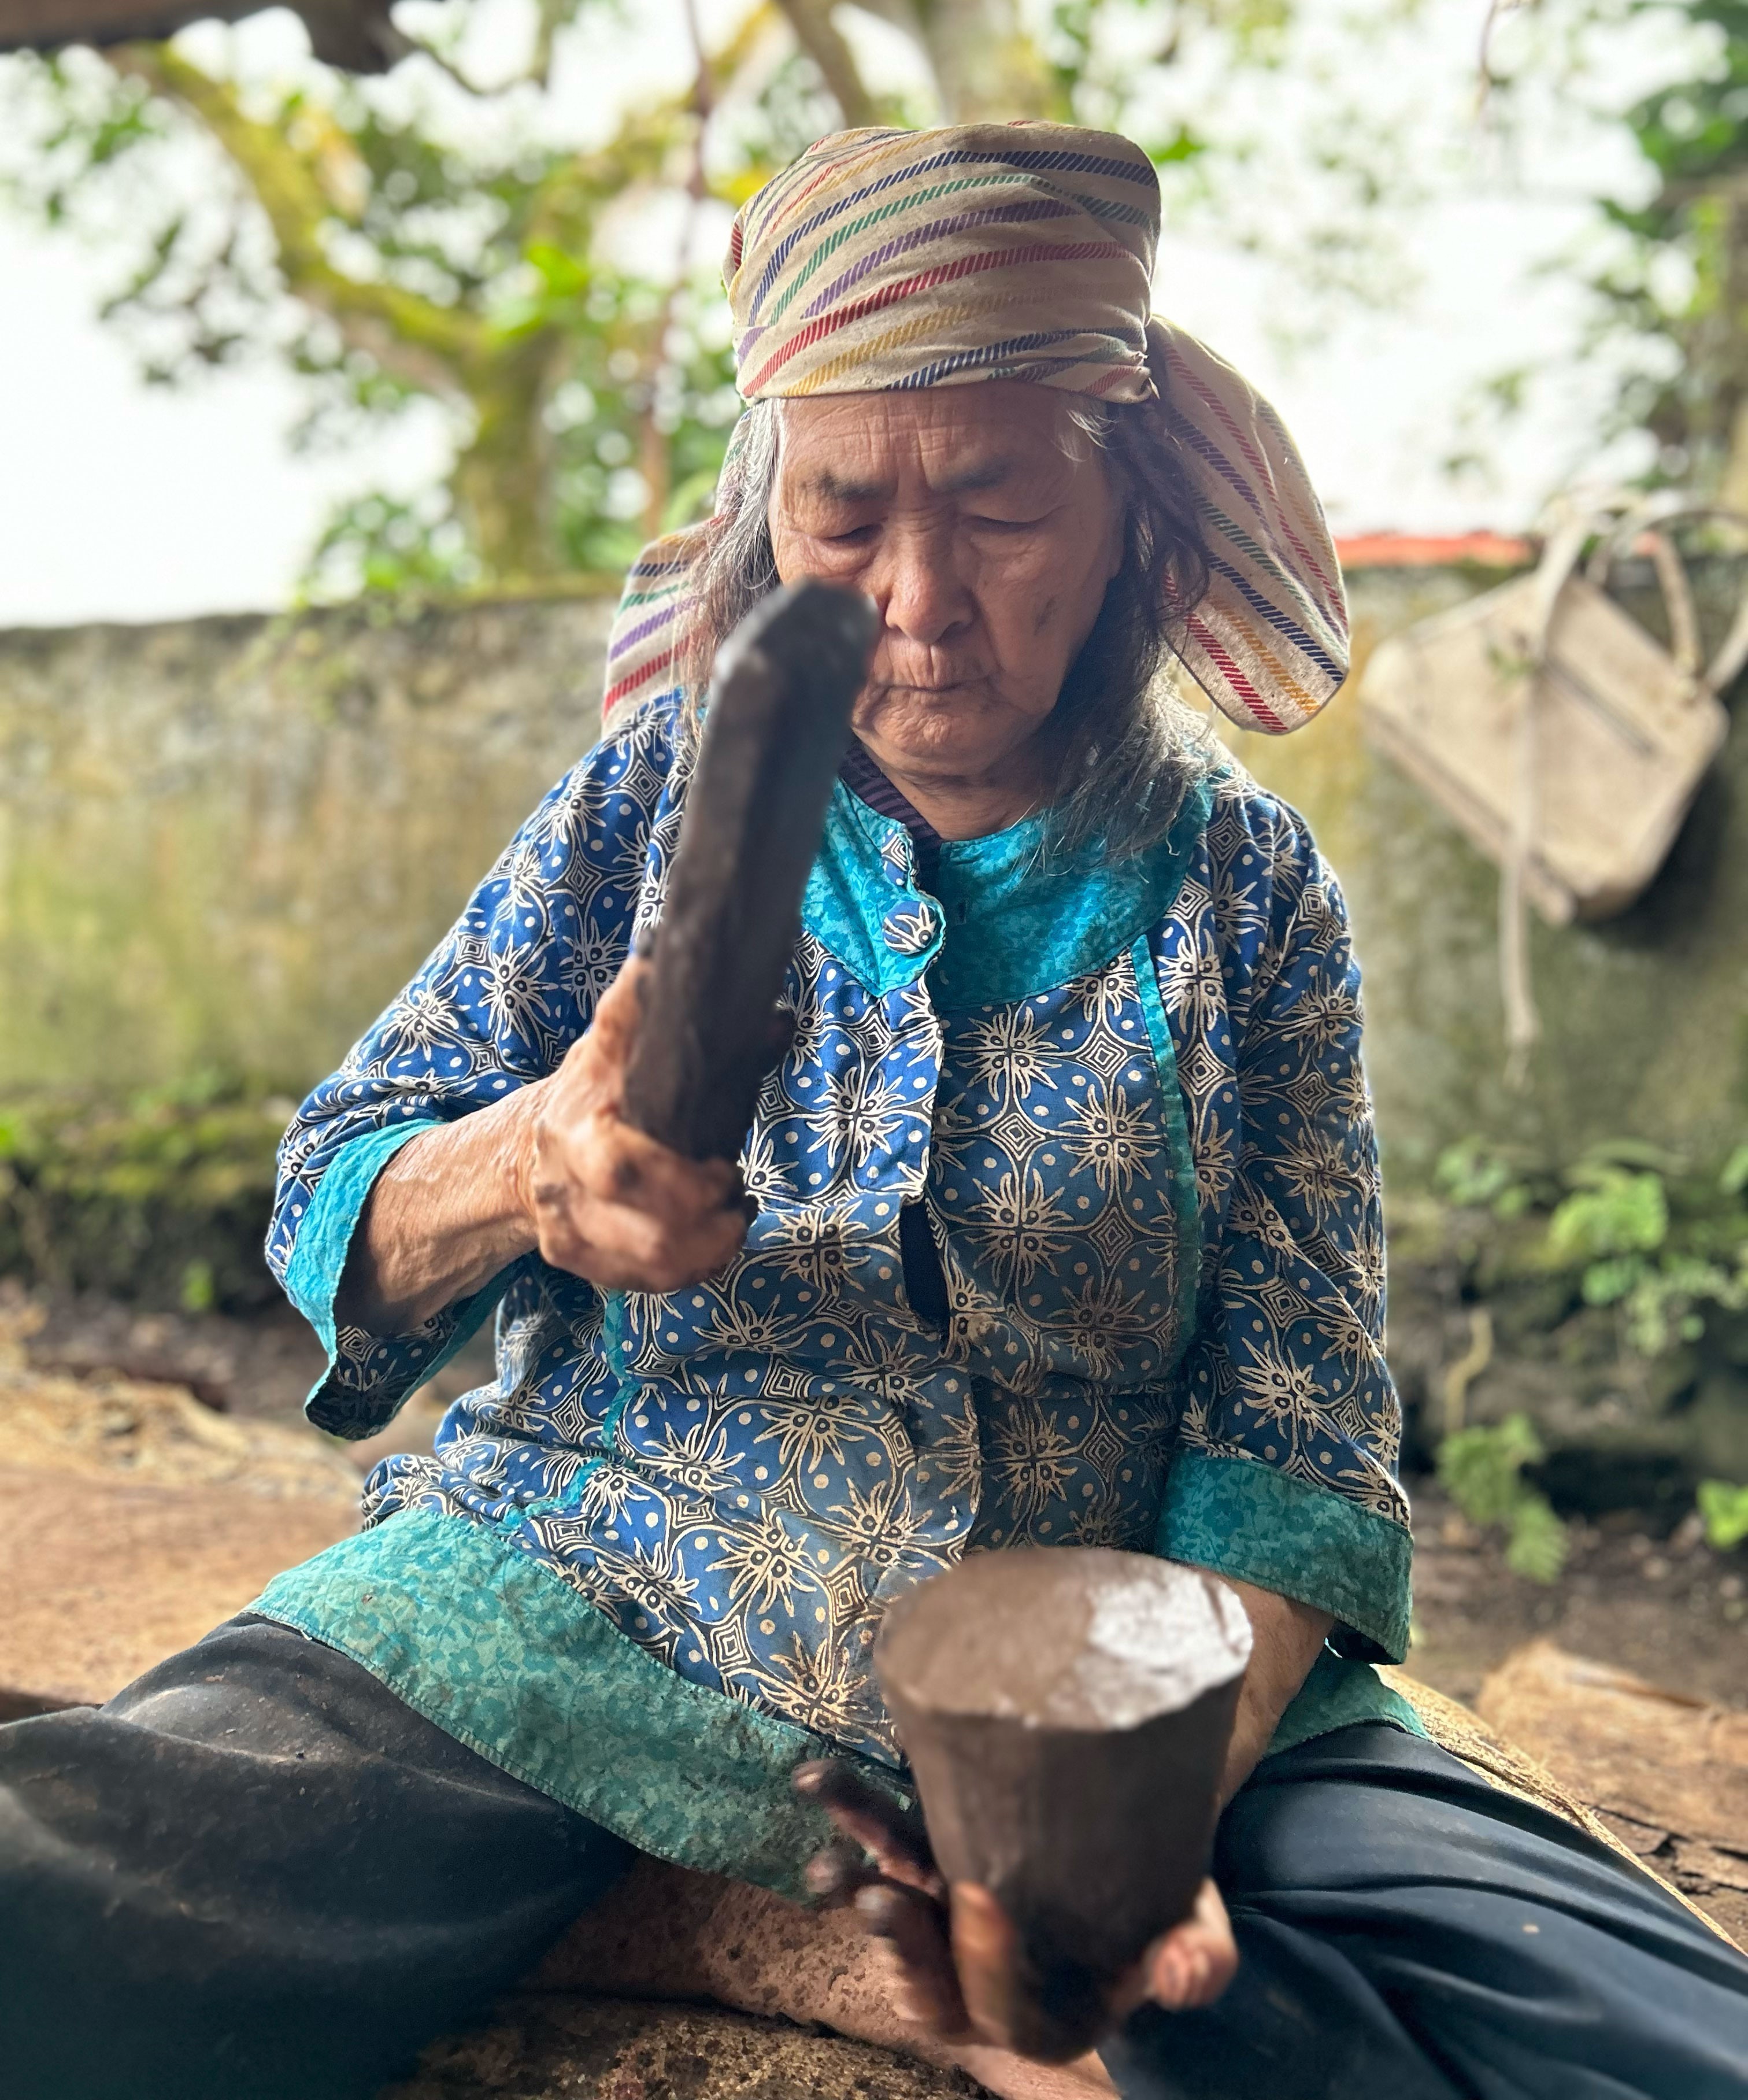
pixel 163 1199
pixel 1476 1174
pixel 1482 1469
pixel 1725 1510
pixel 1628 1224
pixel 1614 1212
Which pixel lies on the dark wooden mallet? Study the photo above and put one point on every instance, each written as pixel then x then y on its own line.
pixel 1066 1712
pixel 776 729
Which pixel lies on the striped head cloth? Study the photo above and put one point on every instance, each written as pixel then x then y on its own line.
pixel 884 260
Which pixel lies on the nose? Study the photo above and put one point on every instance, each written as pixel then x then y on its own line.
pixel 917 585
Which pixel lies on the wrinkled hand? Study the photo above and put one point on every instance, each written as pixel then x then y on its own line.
pixel 958 1971
pixel 610 1204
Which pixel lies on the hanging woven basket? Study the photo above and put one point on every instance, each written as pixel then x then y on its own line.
pixel 1563 737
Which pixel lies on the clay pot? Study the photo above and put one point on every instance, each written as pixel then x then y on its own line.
pixel 1066 1712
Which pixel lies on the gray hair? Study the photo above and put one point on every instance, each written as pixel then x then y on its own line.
pixel 1128 749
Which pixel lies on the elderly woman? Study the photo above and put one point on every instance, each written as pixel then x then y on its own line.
pixel 1057 1224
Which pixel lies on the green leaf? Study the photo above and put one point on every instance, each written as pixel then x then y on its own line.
pixel 1538 1542
pixel 1473 1173
pixel 1622 1213
pixel 1725 1508
pixel 1607 1283
pixel 1483 1467
pixel 564 277
pixel 1480 1468
pixel 1182 146
pixel 199 1292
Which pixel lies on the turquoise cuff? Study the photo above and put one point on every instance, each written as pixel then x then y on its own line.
pixel 1337 1693
pixel 319 1260
pixel 1244 1519
pixel 492 1648
pixel 324 1237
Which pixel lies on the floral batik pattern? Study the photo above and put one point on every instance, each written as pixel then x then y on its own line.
pixel 1259 979
pixel 1125 1116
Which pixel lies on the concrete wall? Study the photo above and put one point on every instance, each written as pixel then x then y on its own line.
pixel 224 843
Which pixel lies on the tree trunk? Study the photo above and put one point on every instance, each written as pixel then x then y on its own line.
pixel 820 38
pixel 1721 342
pixel 502 482
pixel 985 64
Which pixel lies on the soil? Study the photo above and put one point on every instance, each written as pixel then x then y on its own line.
pixel 258 1369
pixel 1669 1610
pixel 542 2047
pixel 103 1578
pixel 132 1519
pixel 109 1567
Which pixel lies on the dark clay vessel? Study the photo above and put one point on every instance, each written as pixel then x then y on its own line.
pixel 1066 1712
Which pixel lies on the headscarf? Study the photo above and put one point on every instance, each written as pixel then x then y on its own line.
pixel 883 260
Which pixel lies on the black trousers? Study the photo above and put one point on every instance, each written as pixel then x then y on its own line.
pixel 1408 1932
pixel 255 1875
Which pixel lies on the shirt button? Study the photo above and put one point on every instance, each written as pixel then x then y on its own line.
pixel 910 927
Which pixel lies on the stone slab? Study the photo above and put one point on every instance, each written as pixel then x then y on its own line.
pixel 1669 1774
pixel 547 2048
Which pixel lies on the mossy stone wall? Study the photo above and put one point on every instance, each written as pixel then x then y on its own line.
pixel 225 843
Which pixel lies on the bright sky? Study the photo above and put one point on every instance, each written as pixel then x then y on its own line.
pixel 122 501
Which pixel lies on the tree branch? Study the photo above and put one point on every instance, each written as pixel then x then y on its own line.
pixel 447 65
pixel 426 346
pixel 356 35
pixel 823 41
pixel 986 65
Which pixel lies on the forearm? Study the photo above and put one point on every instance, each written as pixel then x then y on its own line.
pixel 1286 1638
pixel 449 1210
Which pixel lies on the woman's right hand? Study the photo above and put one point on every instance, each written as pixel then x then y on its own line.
pixel 608 1203
pixel 550 1166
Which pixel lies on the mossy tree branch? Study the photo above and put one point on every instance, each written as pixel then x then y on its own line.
pixel 425 345
pixel 363 213
pixel 820 38
pixel 499 369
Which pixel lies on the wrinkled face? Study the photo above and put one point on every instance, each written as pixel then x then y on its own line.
pixel 984 525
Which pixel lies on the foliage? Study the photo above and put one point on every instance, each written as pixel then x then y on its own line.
pixel 438 238
pixel 1627 1225
pixel 1683 278
pixel 1613 1213
pixel 165 1198
pixel 1724 1509
pixel 388 260
pixel 1666 270
pixel 1483 1468
pixel 384 545
pixel 1476 1174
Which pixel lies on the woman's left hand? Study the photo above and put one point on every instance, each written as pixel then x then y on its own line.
pixel 958 1973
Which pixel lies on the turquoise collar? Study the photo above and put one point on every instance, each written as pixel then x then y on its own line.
pixel 1004 920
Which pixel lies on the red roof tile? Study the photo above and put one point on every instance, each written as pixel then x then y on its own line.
pixel 1424 550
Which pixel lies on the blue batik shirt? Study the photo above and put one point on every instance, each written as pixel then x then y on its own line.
pixel 1068 1232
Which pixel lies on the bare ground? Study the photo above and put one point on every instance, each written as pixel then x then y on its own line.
pixel 106 1569
pixel 1669 1610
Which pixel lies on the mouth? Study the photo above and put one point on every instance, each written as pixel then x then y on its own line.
pixel 897 688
